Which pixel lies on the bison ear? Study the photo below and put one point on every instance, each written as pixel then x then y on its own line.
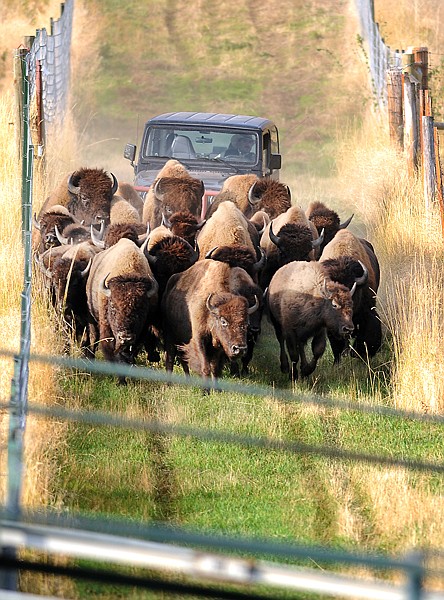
pixel 325 291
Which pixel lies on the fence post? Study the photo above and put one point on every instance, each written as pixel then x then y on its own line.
pixel 428 162
pixel 394 96
pixel 19 56
pixel 411 125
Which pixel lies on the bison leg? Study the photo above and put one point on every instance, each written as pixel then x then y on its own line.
pixel 338 345
pixel 318 345
pixel 294 353
pixel 369 335
pixel 285 366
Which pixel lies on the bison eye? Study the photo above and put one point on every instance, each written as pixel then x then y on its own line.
pixel 335 304
pixel 168 210
pixel 223 322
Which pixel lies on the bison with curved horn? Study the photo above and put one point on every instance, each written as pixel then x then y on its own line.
pixel 122 297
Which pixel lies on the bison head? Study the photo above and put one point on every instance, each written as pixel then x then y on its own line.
pixel 91 192
pixel 338 308
pixel 295 242
pixel 176 194
pixel 229 316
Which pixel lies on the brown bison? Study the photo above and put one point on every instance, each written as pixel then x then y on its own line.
pixel 290 236
pixel 347 258
pixel 68 275
pixel 121 292
pixel 204 322
pixel 251 194
pixel 173 190
pixel 325 219
pixel 304 304
pixel 86 193
pixel 185 225
pixel 44 234
pixel 228 226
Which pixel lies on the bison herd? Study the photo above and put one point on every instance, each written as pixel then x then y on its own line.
pixel 165 275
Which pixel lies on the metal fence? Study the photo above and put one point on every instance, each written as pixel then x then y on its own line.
pixel 213 561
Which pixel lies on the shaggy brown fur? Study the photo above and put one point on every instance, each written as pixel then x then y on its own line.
pixel 185 225
pixel 45 237
pixel 324 218
pixel 92 203
pixel 227 227
pixel 170 194
pixel 237 256
pixel 127 191
pixel 115 232
pixel 170 255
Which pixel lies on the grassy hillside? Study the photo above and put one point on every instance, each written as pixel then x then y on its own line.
pixel 293 61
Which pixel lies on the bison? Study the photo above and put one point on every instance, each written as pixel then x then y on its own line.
pixel 204 322
pixel 339 258
pixel 325 219
pixel 44 234
pixel 251 194
pixel 290 236
pixel 303 304
pixel 68 275
pixel 173 190
pixel 121 293
pixel 86 193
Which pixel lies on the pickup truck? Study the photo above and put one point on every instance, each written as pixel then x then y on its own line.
pixel 211 146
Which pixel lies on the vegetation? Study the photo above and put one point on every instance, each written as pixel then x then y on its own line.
pixel 282 61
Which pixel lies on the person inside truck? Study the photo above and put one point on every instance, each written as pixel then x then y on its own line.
pixel 240 145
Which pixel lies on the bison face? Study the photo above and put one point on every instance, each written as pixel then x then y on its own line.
pixel 229 317
pixel 127 309
pixel 339 309
pixel 91 192
pixel 176 194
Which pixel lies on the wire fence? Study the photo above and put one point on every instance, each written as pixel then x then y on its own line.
pixel 75 537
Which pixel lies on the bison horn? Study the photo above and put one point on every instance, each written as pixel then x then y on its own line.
pixel 95 239
pixel 86 270
pixel 166 222
pixel 63 240
pixel 273 237
pixel 261 231
pixel 156 190
pixel 74 189
pixel 252 198
pixel 209 254
pixel 288 191
pixel 252 309
pixel 347 222
pixel 103 287
pixel 36 223
pixel 363 279
pixel 115 183
pixel 260 264
pixel 353 290
pixel 209 306
pixel 102 229
pixel 318 241
pixel 201 224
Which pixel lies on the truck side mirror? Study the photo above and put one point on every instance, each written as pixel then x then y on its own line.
pixel 275 161
pixel 130 153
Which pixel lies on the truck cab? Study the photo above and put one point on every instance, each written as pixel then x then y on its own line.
pixel 211 146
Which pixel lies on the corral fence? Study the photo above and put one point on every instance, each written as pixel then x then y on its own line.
pixel 211 561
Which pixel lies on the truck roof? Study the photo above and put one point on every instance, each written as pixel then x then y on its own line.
pixel 216 119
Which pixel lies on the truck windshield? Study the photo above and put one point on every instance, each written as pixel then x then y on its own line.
pixel 235 146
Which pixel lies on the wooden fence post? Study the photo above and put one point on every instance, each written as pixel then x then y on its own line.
pixel 394 96
pixel 428 163
pixel 411 125
pixel 19 57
